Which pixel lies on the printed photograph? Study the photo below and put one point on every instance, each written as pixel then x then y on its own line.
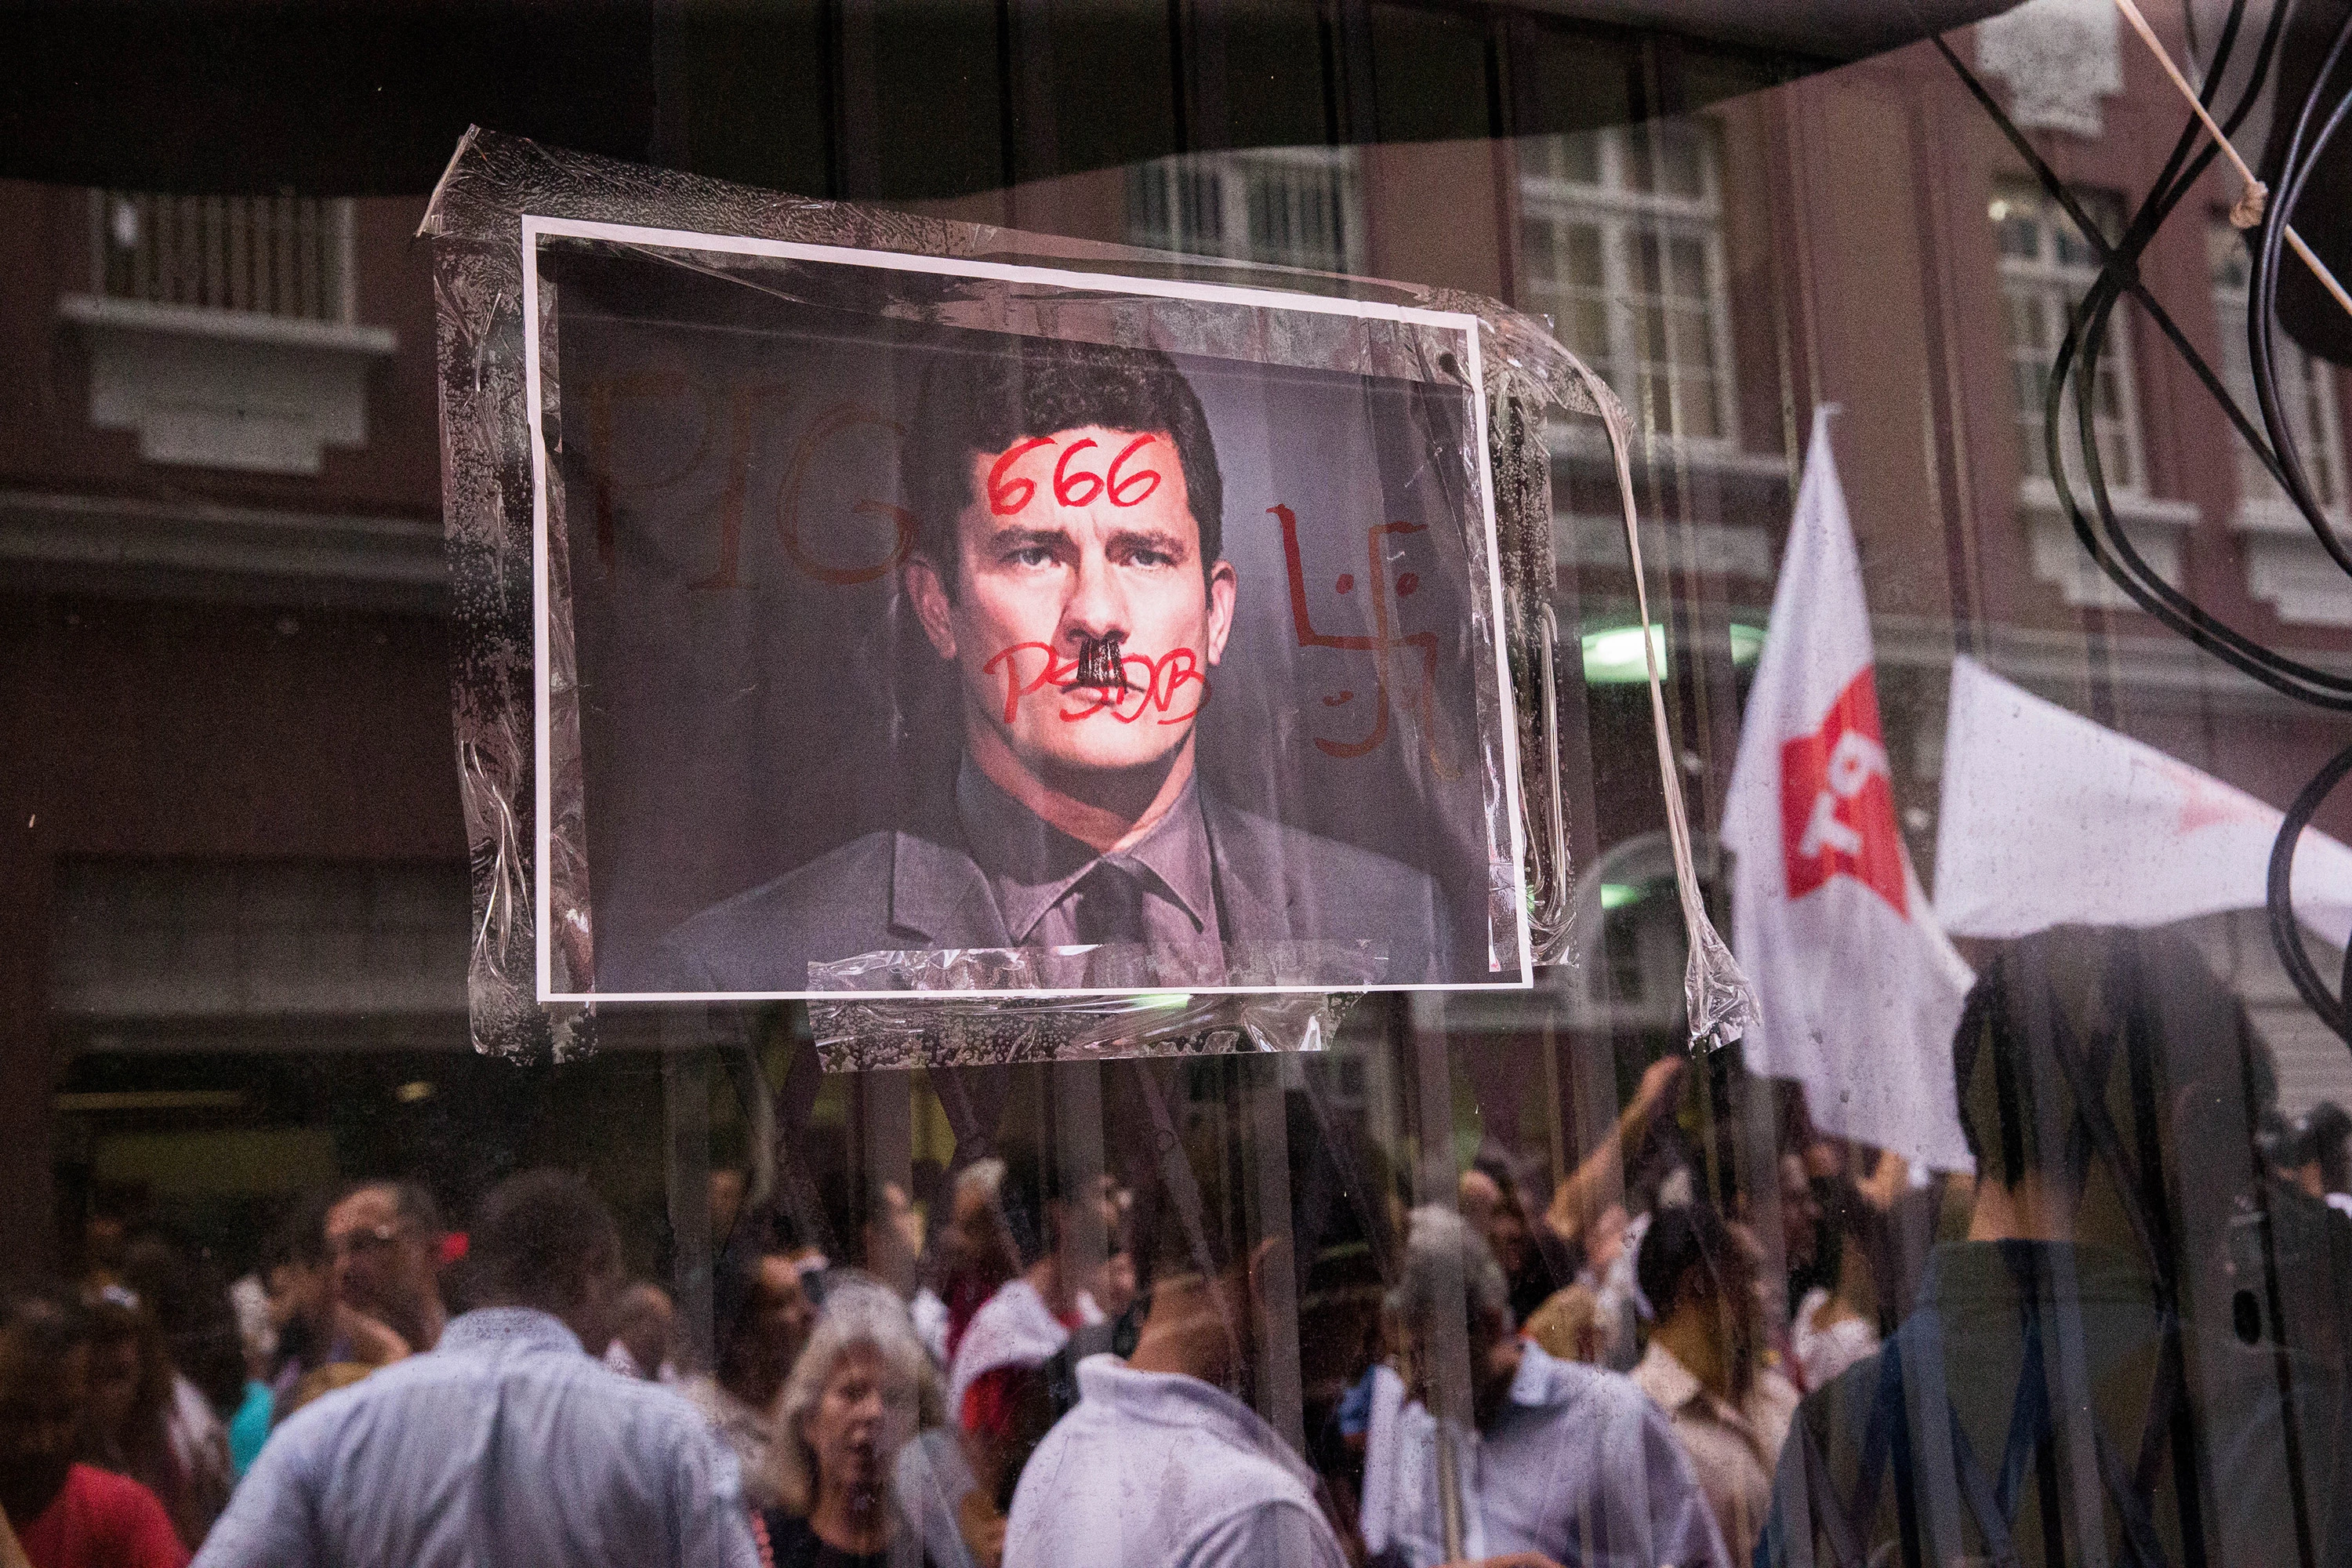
pixel 915 655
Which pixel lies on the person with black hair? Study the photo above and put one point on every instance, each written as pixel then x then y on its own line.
pixel 60 1513
pixel 999 1392
pixel 2053 1394
pixel 385 1240
pixel 1705 1365
pixel 763 1311
pixel 508 1443
pixel 316 1327
pixel 2324 1143
pixel 1163 1461
pixel 1081 614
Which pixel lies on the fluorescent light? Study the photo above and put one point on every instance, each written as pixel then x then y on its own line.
pixel 1613 656
pixel 1617 895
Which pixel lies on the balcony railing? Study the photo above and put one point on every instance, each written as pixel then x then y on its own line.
pixel 270 256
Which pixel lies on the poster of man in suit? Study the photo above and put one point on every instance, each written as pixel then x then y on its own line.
pixel 911 653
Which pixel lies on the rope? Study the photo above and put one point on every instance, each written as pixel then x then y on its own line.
pixel 2247 212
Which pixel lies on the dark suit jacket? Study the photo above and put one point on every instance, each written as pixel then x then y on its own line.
pixel 916 886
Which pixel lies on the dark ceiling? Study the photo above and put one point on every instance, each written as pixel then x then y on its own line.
pixel 862 99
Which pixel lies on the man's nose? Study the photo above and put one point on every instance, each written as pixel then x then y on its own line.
pixel 1096 608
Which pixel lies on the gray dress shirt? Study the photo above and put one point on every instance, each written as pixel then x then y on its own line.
pixel 506 1446
pixel 1579 1465
pixel 1056 891
pixel 1154 1471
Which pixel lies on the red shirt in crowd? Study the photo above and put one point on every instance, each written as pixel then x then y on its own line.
pixel 101 1520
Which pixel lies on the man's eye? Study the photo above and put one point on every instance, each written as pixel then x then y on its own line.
pixel 1032 556
pixel 1147 557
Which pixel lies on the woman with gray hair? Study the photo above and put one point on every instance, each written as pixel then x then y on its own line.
pixel 859 1393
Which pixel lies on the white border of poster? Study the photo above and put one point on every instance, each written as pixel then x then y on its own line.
pixel 535 228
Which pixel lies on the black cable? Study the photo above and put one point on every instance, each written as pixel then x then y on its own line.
pixel 2284 934
pixel 2076 368
pixel 2119 270
pixel 2261 313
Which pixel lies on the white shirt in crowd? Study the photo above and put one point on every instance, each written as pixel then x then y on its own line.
pixel 1822 1353
pixel 621 1359
pixel 1579 1465
pixel 1012 1328
pixel 1733 1448
pixel 1156 1470
pixel 930 1315
pixel 504 1445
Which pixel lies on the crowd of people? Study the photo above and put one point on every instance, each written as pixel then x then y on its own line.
pixel 1256 1350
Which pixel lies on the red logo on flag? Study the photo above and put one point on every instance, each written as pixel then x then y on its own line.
pixel 1837 803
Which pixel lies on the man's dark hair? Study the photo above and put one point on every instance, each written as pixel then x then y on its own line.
pixel 538 1238
pixel 410 1200
pixel 1680 1238
pixel 47 1317
pixel 976 401
pixel 300 1237
pixel 2047 1010
pixel 1194 1211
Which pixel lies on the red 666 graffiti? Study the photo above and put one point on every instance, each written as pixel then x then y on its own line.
pixel 1007 495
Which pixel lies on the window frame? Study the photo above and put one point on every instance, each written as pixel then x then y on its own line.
pixel 1236 178
pixel 2049 286
pixel 1623 216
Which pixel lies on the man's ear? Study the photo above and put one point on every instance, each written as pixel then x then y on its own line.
pixel 933 607
pixel 1224 584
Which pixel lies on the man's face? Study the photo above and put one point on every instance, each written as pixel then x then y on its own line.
pixel 894 1239
pixel 299 1293
pixel 1801 1213
pixel 112 1382
pixel 41 1400
pixel 1494 1362
pixel 381 1265
pixel 785 1314
pixel 597 1311
pixel 1044 567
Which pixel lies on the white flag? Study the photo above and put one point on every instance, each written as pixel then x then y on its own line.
pixel 2050 819
pixel 1859 990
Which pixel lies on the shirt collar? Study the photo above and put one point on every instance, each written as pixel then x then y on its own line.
pixel 1532 1385
pixel 1666 1380
pixel 509 1331
pixel 1171 1399
pixel 1031 864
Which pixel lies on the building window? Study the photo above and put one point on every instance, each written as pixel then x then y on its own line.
pixel 2046 266
pixel 2306 391
pixel 1623 230
pixel 1289 206
pixel 266 256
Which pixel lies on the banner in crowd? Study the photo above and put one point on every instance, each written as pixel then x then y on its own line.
pixel 1859 990
pixel 2050 819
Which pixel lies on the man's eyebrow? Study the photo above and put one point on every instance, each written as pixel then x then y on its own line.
pixel 1164 540
pixel 1019 538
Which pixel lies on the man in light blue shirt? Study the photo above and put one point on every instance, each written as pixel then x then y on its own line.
pixel 1163 1464
pixel 1559 1462
pixel 506 1447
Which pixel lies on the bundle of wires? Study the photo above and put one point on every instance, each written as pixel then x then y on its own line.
pixel 2073 374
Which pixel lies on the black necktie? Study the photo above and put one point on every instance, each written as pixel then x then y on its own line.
pixel 1109 908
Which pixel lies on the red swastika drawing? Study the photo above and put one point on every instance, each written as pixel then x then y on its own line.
pixel 1837 804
